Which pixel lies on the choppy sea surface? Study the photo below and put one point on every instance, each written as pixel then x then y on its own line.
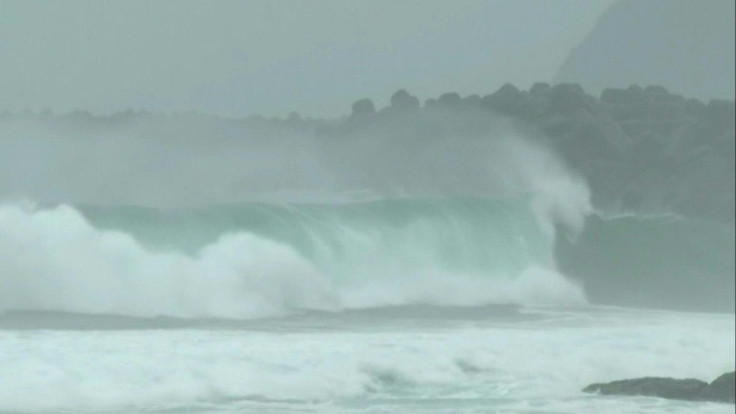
pixel 407 359
pixel 451 305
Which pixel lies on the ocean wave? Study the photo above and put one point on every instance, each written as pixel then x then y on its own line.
pixel 256 260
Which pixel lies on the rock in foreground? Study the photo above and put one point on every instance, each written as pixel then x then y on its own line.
pixel 681 389
pixel 720 390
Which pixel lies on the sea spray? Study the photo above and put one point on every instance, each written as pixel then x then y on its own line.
pixel 254 260
pixel 225 231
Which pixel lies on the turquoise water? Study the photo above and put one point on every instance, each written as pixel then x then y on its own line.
pixel 388 306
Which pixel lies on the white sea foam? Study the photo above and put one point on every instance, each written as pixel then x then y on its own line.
pixel 360 364
pixel 54 259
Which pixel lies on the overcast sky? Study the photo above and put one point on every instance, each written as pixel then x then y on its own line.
pixel 271 57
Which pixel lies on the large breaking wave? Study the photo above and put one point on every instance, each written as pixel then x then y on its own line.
pixel 435 221
pixel 261 259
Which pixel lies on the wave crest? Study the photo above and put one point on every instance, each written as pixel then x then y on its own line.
pixel 296 257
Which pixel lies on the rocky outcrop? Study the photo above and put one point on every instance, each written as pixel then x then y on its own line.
pixel 720 390
pixel 402 100
pixel 685 45
pixel 680 389
pixel 640 148
pixel 363 108
pixel 450 100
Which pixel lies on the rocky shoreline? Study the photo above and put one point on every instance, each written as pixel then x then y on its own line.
pixel 720 390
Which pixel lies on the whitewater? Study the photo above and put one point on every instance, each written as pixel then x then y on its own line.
pixel 262 260
pixel 373 275
pixel 390 360
pixel 450 305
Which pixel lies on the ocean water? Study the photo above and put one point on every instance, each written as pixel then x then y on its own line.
pixel 386 306
pixel 392 360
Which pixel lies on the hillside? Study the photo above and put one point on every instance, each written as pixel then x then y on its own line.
pixel 686 46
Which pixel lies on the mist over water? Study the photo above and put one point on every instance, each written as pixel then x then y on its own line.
pixel 310 222
pixel 181 161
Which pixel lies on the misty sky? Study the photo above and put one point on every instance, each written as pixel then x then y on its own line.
pixel 271 57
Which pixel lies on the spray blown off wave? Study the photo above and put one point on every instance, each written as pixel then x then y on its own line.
pixel 254 260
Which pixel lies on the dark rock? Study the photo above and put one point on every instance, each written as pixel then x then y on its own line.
pixel 721 114
pixel 694 107
pixel 568 97
pixel 670 108
pixel 505 100
pixel 631 103
pixel 594 138
pixel 450 100
pixel 720 390
pixel 401 99
pixel 507 93
pixel 656 90
pixel 614 96
pixel 680 389
pixel 539 88
pixel 363 108
pixel 633 96
pixel 538 106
